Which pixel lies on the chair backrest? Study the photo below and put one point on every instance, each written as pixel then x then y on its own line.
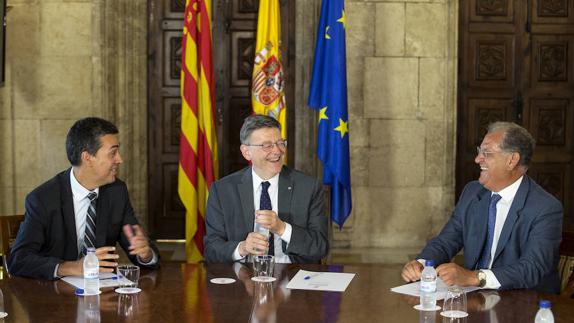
pixel 9 225
pixel 566 267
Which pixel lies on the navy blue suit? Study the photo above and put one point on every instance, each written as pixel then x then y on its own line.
pixel 47 236
pixel 527 253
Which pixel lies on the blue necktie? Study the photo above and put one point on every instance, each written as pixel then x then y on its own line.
pixel 486 254
pixel 265 204
pixel 90 231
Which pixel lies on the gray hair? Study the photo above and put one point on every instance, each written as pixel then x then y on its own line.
pixel 516 139
pixel 255 122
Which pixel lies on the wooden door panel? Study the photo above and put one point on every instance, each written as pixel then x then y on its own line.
pixel 517 65
pixel 492 61
pixel 233 31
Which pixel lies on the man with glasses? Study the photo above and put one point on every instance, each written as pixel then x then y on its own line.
pixel 509 227
pixel 287 202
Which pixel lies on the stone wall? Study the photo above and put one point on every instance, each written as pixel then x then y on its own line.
pixel 401 83
pixel 66 60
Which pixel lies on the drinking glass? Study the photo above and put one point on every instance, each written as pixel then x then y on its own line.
pixel 128 276
pixel 263 268
pixel 455 303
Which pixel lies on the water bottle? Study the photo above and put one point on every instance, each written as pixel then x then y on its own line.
pixel 91 273
pixel 428 286
pixel 544 314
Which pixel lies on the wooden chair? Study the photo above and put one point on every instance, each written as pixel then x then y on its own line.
pixel 9 225
pixel 566 263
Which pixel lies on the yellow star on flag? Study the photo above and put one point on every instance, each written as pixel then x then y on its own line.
pixel 343 19
pixel 323 114
pixel 342 128
pixel 327 36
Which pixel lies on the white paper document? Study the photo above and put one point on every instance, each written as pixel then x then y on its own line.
pixel 325 281
pixel 413 289
pixel 106 280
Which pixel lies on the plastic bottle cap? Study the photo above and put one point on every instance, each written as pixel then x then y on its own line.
pixel 545 303
pixel 429 263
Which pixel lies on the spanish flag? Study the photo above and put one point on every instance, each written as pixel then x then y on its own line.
pixel 198 162
pixel 268 83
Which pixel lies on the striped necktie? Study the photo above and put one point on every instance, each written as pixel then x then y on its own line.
pixel 265 204
pixel 90 232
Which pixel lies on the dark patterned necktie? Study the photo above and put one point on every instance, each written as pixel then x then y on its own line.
pixel 486 254
pixel 265 204
pixel 90 232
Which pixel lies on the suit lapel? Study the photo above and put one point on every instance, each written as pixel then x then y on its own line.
pixel 68 212
pixel 285 192
pixel 245 188
pixel 478 225
pixel 517 205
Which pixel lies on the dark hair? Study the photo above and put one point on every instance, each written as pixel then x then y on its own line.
pixel 85 135
pixel 255 122
pixel 516 139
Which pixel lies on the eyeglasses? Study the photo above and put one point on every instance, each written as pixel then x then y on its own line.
pixel 268 146
pixel 485 153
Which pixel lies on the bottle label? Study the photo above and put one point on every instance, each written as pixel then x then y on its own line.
pixel 428 287
pixel 89 274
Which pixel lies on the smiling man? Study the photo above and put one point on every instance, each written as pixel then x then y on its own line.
pixel 82 207
pixel 288 203
pixel 509 227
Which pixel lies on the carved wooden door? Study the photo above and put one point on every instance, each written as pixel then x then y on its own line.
pixel 516 64
pixel 234 30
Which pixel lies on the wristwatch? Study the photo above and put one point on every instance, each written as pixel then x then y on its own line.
pixel 481 275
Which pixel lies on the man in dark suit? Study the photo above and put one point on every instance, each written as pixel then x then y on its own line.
pixel 295 215
pixel 82 207
pixel 509 227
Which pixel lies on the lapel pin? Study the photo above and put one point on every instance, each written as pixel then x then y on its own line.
pixel 289 187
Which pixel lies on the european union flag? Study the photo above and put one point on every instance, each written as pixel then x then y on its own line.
pixel 328 95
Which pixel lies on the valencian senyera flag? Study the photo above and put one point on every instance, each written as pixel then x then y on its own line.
pixel 267 92
pixel 328 95
pixel 198 162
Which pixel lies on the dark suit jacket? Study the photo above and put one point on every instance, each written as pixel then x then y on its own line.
pixel 527 253
pixel 47 236
pixel 230 213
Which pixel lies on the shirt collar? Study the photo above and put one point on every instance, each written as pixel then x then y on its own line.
pixel 78 191
pixel 273 181
pixel 507 194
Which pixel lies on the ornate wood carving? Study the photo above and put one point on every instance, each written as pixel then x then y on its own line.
pixel 177 5
pixel 242 51
pixel 175 123
pixel 485 117
pixel 551 180
pixel 175 58
pixel 491 61
pixel 552 8
pixel 551 119
pixel 553 61
pixel 245 54
pixel 248 6
pixel 551 127
pixel 492 7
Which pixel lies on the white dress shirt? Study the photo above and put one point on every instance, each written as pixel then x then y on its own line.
pixel 273 190
pixel 81 205
pixel 502 207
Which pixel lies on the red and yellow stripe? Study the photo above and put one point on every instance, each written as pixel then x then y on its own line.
pixel 198 160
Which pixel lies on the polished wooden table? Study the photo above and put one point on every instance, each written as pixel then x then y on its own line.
pixel 183 293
